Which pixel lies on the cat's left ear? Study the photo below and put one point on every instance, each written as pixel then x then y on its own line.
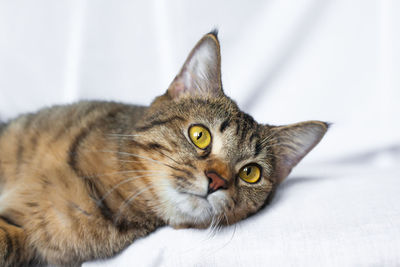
pixel 201 72
pixel 293 142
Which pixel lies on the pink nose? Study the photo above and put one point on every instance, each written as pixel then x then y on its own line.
pixel 215 182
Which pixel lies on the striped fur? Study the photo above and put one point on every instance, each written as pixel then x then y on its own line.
pixel 83 181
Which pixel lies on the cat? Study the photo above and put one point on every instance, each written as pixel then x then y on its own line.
pixel 83 181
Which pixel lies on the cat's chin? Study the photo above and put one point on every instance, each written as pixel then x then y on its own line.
pixel 183 209
pixel 195 207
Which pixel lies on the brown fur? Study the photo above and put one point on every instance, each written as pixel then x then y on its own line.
pixel 83 181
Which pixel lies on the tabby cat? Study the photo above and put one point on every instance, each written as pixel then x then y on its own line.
pixel 83 181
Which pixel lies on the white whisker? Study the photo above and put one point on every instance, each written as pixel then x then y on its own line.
pixel 133 155
pixel 127 181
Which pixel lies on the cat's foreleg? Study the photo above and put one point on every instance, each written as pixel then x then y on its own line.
pixel 13 249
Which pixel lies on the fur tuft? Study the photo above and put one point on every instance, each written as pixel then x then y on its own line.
pixel 214 32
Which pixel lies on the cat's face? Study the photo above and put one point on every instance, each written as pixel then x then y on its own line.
pixel 218 164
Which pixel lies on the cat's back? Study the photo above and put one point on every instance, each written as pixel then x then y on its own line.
pixel 56 117
pixel 50 133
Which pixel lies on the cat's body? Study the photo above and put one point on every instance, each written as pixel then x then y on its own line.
pixel 51 192
pixel 83 181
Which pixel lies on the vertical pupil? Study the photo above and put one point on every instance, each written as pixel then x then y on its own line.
pixel 248 171
pixel 199 135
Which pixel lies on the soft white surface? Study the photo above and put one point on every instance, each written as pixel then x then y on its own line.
pixel 283 61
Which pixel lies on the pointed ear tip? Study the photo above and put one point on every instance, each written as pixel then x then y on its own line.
pixel 213 35
pixel 214 32
pixel 324 126
pixel 328 124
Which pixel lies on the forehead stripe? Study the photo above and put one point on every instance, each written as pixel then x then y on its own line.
pixel 224 125
pixel 257 149
pixel 158 122
pixel 254 135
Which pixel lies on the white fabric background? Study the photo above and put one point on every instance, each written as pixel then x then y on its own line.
pixel 282 61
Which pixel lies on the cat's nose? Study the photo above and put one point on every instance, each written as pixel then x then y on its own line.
pixel 215 182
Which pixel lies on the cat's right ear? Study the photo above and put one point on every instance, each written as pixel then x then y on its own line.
pixel 293 142
pixel 201 72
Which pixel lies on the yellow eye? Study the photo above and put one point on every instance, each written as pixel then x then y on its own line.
pixel 200 136
pixel 250 173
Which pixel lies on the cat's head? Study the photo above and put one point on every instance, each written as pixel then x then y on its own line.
pixel 218 164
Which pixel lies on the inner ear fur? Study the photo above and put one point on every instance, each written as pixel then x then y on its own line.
pixel 200 75
pixel 293 142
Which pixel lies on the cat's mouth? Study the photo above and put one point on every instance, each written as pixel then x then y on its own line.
pixel 197 199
